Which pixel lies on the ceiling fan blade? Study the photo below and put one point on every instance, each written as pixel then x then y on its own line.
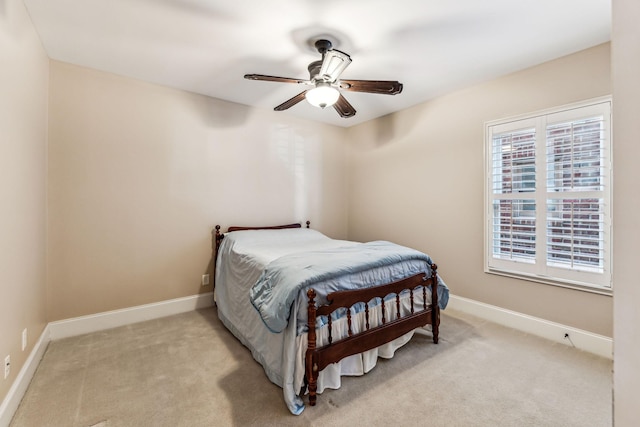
pixel 291 102
pixel 343 107
pixel 385 87
pixel 334 63
pixel 275 79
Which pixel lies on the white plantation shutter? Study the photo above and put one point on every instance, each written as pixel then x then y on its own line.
pixel 514 229
pixel 575 168
pixel 575 234
pixel 548 204
pixel 514 161
pixel 575 155
pixel 513 173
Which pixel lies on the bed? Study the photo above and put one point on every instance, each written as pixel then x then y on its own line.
pixel 312 309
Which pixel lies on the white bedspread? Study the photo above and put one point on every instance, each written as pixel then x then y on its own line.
pixel 241 259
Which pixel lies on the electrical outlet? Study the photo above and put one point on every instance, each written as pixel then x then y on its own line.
pixel 205 279
pixel 24 339
pixel 7 366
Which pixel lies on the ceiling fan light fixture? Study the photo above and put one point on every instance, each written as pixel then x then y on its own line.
pixel 323 95
pixel 324 86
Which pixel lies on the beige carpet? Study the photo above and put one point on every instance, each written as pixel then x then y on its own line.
pixel 188 370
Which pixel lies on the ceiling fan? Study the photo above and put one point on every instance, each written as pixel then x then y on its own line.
pixel 323 77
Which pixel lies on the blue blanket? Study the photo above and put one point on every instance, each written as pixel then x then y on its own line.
pixel 276 289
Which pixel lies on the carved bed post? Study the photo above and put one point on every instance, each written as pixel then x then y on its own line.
pixel 311 365
pixel 435 309
pixel 217 239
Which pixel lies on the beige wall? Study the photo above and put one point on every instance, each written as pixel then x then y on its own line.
pixel 417 176
pixel 23 147
pixel 139 175
pixel 626 129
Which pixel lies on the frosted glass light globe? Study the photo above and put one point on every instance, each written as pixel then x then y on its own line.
pixel 323 95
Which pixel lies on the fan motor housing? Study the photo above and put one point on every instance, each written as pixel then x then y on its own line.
pixel 314 69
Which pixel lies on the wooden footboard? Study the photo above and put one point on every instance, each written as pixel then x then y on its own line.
pixel 317 358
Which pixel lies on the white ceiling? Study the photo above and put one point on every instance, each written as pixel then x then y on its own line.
pixel 206 46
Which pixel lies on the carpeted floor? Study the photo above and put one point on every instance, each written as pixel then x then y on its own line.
pixel 188 370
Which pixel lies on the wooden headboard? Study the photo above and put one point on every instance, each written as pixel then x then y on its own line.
pixel 219 236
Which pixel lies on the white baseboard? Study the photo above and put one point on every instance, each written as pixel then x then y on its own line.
pixel 584 340
pixel 20 384
pixel 92 323
pixel 126 316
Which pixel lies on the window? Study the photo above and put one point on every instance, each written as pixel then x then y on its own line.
pixel 549 196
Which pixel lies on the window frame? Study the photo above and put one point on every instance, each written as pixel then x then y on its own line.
pixel 534 270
